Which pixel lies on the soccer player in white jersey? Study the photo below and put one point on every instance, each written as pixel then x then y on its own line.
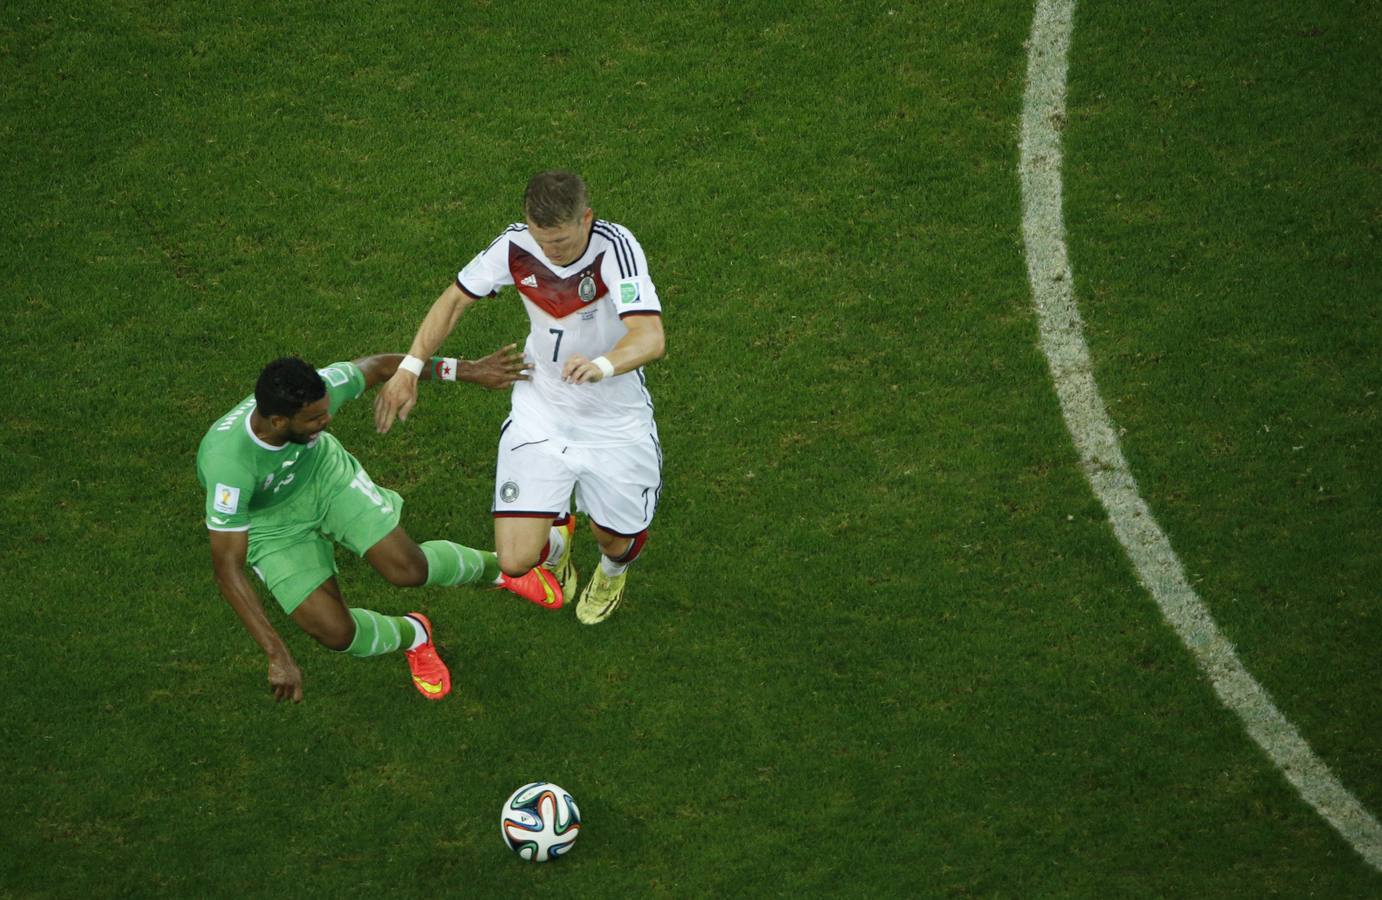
pixel 584 420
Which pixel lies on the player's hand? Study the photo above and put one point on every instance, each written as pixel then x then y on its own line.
pixel 500 369
pixel 580 370
pixel 397 397
pixel 285 680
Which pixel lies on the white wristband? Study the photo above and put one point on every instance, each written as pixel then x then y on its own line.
pixel 604 365
pixel 411 364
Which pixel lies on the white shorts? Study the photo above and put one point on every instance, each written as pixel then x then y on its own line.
pixel 616 485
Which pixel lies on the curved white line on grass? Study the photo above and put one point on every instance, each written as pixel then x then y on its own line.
pixel 1101 458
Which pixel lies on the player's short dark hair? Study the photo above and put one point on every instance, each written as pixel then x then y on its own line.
pixel 553 198
pixel 287 385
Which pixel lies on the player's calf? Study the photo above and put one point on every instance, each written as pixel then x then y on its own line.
pixel 605 592
pixel 398 559
pixel 451 564
pixel 615 558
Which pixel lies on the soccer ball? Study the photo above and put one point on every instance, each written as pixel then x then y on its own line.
pixel 540 821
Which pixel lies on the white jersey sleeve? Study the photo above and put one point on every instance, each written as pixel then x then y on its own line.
pixel 626 270
pixel 484 275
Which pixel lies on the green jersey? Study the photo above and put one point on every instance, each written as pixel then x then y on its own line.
pixel 243 475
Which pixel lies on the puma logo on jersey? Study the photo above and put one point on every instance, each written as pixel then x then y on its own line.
pixel 530 281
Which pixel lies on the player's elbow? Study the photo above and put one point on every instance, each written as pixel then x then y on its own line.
pixel 226 570
pixel 657 347
pixel 376 368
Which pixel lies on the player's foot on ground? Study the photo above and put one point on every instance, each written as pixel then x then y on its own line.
pixel 538 585
pixel 564 568
pixel 430 675
pixel 601 598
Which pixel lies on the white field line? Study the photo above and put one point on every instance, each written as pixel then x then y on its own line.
pixel 1101 458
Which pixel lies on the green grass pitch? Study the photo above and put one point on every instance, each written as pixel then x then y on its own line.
pixel 882 642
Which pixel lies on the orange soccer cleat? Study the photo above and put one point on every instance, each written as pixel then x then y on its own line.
pixel 538 585
pixel 430 675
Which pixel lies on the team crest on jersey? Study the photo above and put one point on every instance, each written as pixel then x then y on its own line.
pixel 508 492
pixel 586 289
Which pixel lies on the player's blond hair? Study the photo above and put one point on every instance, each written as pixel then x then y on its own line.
pixel 555 197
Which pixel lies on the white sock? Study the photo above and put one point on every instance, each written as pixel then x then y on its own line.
pixel 556 546
pixel 610 567
pixel 421 633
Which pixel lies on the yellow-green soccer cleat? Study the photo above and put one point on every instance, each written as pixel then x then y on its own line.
pixel 564 568
pixel 601 598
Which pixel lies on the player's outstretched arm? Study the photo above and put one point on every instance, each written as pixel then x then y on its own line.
pixel 497 371
pixel 380 367
pixel 398 397
pixel 228 551
pixel 644 343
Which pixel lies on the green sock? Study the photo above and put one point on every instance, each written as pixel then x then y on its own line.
pixel 376 634
pixel 451 564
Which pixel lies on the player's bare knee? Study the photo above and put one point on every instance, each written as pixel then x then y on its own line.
pixel 407 573
pixel 336 636
pixel 401 565
pixel 615 546
pixel 515 563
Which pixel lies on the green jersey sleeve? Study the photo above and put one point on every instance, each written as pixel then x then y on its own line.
pixel 344 381
pixel 229 488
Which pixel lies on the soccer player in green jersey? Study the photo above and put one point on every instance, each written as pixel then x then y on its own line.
pixel 280 490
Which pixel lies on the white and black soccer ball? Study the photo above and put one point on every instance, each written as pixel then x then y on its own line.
pixel 540 821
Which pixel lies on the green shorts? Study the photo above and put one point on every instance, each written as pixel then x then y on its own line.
pixel 291 545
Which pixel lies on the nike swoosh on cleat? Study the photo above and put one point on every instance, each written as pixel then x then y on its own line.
pixel 428 686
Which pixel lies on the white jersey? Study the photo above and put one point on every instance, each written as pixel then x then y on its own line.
pixel 574 309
